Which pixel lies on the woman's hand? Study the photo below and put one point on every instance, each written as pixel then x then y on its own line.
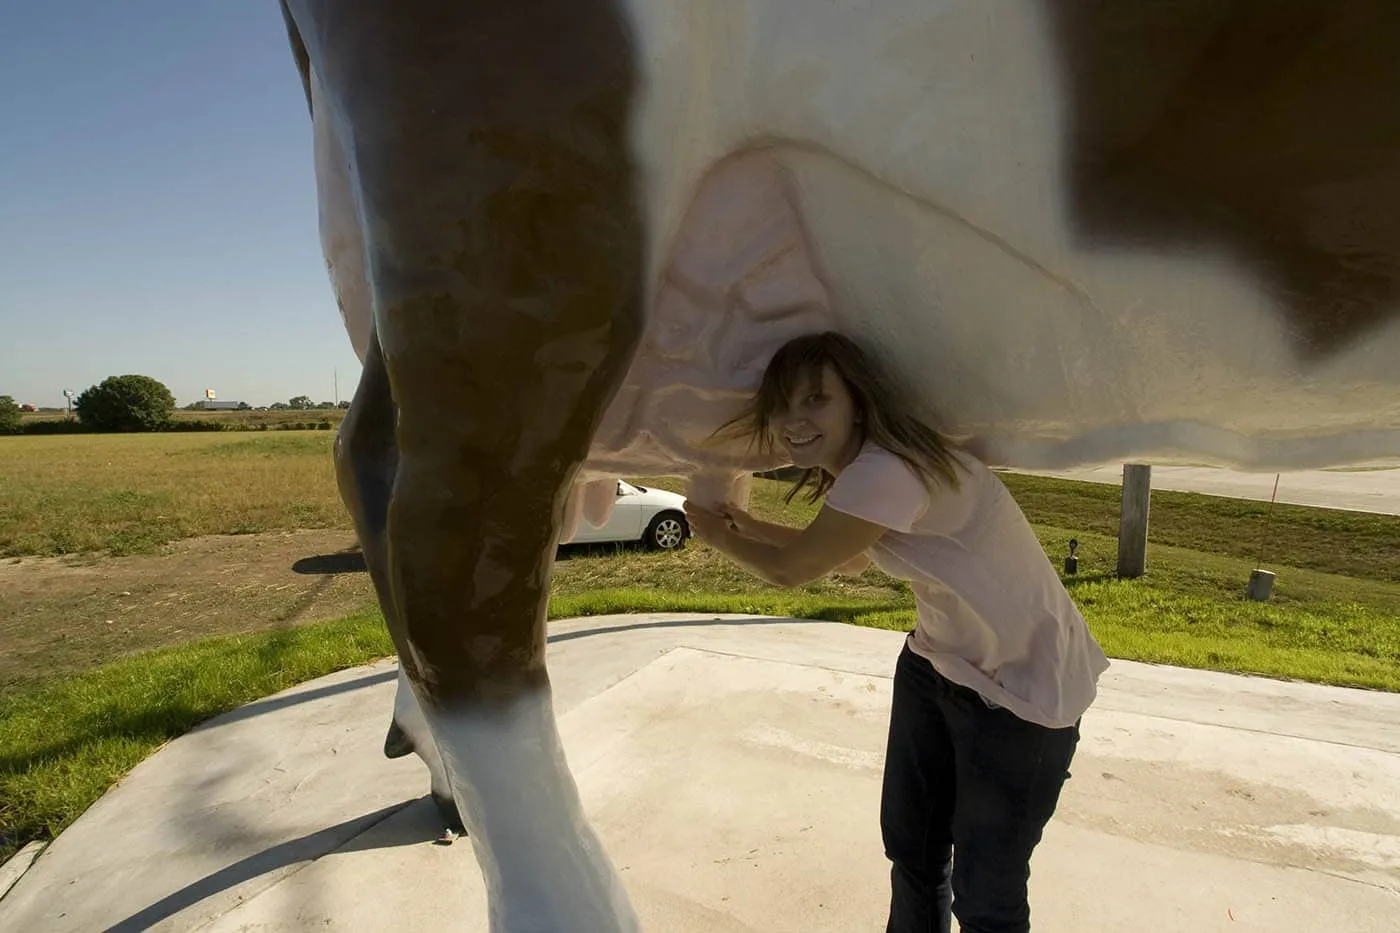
pixel 707 524
pixel 742 522
pixel 802 555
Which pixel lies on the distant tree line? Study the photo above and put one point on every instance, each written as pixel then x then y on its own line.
pixel 304 403
pixel 134 402
pixel 300 403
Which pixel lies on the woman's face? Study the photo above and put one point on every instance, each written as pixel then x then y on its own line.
pixel 819 427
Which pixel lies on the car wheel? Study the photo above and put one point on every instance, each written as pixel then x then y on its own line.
pixel 666 532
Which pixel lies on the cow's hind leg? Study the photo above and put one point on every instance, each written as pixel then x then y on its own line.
pixel 488 146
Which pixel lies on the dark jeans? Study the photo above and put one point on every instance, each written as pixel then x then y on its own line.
pixel 968 790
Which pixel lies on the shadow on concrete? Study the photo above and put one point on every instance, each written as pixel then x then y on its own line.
pixel 419 823
pixel 275 703
pixel 349 836
pixel 354 835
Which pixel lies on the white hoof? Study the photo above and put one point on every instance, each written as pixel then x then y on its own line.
pixel 544 867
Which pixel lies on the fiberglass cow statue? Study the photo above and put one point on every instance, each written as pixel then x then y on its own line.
pixel 566 235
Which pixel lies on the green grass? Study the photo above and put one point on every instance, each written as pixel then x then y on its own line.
pixel 1351 543
pixel 130 494
pixel 135 493
pixel 1190 610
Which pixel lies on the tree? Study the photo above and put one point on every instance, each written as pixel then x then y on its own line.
pixel 300 402
pixel 126 403
pixel 9 415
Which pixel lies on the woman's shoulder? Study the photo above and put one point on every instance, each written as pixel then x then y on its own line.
pixel 879 486
pixel 874 461
pixel 944 509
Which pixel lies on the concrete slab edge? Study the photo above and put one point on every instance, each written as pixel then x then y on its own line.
pixel 16 865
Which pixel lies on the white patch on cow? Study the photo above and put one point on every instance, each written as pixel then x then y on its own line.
pixel 409 715
pixel 544 867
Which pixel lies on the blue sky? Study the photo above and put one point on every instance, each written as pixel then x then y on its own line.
pixel 157 204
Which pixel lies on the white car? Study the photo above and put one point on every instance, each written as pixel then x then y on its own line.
pixel 654 517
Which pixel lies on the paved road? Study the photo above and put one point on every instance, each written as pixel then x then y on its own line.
pixel 1374 490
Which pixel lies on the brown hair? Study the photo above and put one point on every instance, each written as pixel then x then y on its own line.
pixel 883 416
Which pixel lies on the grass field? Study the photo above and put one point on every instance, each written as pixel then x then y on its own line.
pixel 1339 571
pixel 1332 540
pixel 132 493
pixel 129 494
pixel 110 501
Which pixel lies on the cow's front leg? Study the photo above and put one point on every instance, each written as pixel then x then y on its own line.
pixel 492 176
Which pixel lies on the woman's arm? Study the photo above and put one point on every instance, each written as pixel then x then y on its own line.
pixel 832 540
pixel 783 535
pixel 759 530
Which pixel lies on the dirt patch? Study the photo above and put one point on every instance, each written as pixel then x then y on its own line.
pixel 66 614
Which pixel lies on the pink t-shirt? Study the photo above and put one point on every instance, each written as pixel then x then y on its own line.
pixel 992 612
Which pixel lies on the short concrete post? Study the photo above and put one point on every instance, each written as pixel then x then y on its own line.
pixel 1261 585
pixel 1132 520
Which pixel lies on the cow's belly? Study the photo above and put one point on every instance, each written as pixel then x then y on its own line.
pixel 895 169
pixel 899 175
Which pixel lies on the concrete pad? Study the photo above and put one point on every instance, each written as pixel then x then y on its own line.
pixel 1364 490
pixel 732 767
pixel 16 865
pixel 715 781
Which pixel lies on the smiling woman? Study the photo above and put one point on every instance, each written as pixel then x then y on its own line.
pixel 821 396
pixel 991 685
